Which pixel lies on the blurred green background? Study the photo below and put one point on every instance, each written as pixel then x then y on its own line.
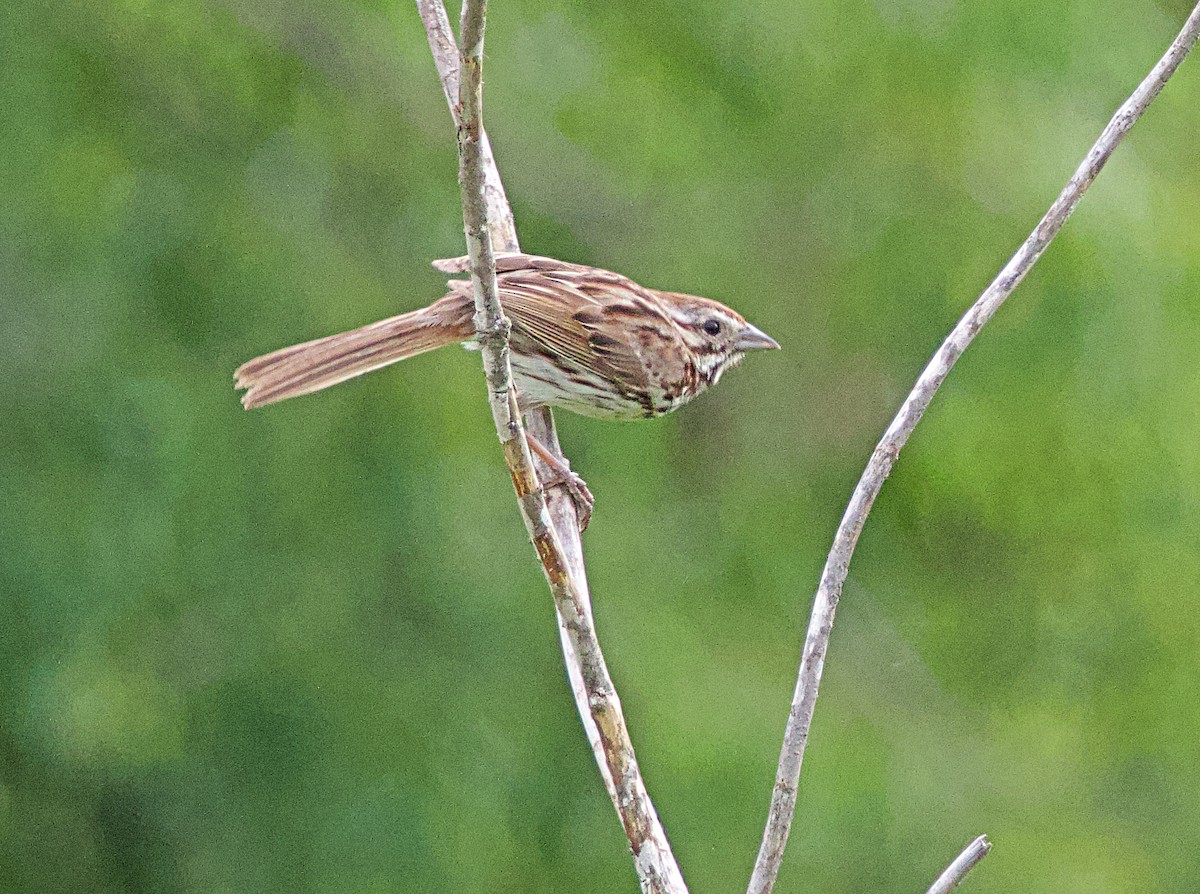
pixel 308 649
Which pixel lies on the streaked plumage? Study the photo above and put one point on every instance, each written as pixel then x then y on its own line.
pixel 583 339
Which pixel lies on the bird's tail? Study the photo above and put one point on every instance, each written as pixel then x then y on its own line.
pixel 315 365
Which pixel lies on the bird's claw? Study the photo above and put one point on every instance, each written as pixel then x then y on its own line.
pixel 578 489
pixel 561 474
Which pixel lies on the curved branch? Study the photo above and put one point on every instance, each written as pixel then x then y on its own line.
pixel 783 796
pixel 552 525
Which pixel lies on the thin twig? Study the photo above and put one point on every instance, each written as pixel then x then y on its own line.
pixel 491 326
pixel 553 528
pixel 783 796
pixel 443 47
pixel 445 57
pixel 963 863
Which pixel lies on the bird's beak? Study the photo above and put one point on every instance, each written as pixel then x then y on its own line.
pixel 751 338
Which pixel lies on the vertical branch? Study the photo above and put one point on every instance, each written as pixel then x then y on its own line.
pixel 491 326
pixel 487 217
pixel 812 662
pixel 445 56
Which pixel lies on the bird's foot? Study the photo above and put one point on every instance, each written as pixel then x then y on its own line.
pixel 562 476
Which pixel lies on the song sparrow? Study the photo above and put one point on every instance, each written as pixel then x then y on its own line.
pixel 583 339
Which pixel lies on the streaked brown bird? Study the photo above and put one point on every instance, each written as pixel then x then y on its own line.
pixel 583 339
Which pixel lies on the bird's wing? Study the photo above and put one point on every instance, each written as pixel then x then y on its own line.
pixel 579 314
pixel 594 319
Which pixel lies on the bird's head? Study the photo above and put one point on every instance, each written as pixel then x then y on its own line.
pixel 718 336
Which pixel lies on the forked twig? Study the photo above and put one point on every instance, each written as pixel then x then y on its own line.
pixel 783 796
pixel 553 526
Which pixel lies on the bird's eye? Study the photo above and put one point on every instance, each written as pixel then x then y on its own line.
pixel 712 327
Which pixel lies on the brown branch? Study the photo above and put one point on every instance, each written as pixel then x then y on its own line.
pixel 553 526
pixel 783 797
pixel 963 863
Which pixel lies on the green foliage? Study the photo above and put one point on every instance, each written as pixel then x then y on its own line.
pixel 308 649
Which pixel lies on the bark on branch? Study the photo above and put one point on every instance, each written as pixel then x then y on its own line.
pixel 812 662
pixel 552 524
pixel 963 863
